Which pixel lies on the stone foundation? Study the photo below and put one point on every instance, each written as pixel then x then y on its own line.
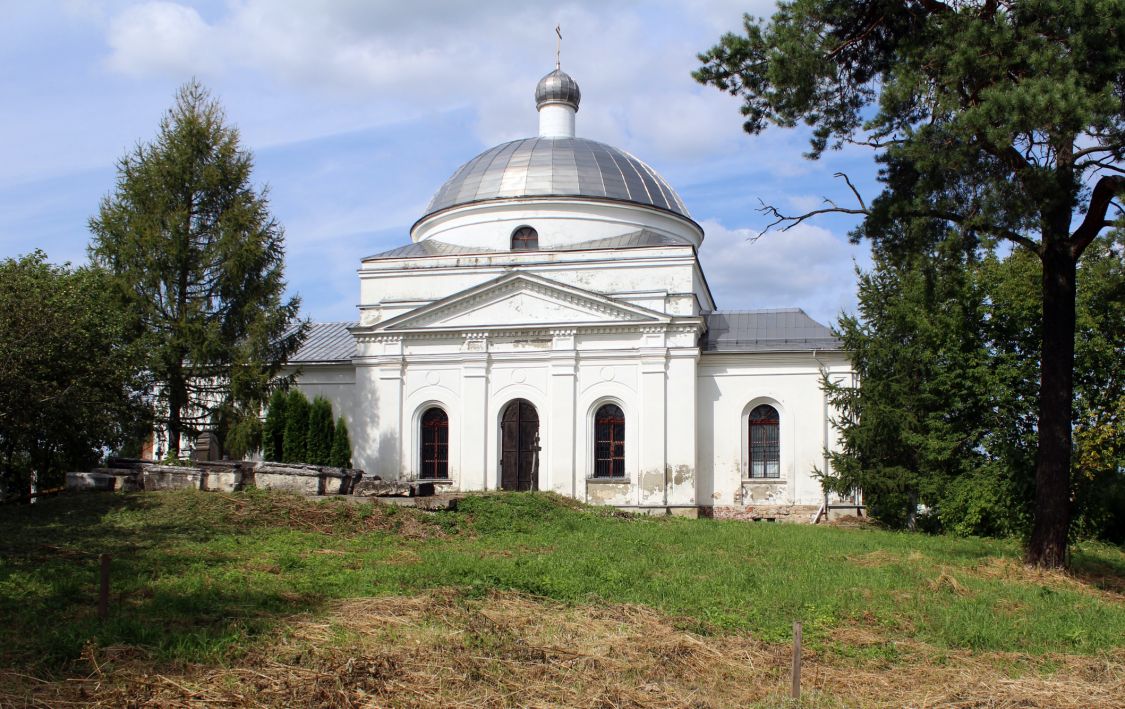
pixel 800 514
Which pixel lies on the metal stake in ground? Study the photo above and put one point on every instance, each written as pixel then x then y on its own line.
pixel 103 588
pixel 796 690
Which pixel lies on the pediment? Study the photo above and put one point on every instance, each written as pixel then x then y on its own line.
pixel 521 300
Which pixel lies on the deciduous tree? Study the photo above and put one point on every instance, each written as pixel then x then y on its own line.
pixel 70 380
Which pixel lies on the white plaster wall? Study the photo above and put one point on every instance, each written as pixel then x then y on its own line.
pixel 560 221
pixel 659 279
pixel 685 415
pixel 732 384
pixel 335 382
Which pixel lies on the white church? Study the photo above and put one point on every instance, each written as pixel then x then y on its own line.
pixel 550 328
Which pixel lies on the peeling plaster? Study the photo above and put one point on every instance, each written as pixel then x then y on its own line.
pixel 608 493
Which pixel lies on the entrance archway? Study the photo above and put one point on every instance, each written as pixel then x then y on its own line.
pixel 519 446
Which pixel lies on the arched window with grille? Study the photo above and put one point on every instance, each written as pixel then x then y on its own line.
pixel 765 442
pixel 435 445
pixel 525 239
pixel 609 442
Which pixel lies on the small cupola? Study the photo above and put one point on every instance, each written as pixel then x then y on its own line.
pixel 557 97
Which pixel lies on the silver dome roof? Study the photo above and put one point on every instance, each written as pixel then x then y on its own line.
pixel 557 86
pixel 556 167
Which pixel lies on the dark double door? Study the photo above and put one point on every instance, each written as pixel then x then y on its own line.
pixel 519 446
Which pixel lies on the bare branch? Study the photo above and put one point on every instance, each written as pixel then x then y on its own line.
pixel 791 221
pixel 779 218
pixel 1097 149
pixel 853 189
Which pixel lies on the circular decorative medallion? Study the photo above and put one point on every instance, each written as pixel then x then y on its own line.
pixel 433 377
pixel 608 373
pixel 519 376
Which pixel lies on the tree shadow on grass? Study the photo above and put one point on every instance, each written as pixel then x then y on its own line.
pixel 171 594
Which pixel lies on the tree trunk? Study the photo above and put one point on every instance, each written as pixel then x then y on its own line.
pixel 176 397
pixel 1047 546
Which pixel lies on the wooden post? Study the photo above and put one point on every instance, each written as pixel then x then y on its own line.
pixel 796 690
pixel 103 588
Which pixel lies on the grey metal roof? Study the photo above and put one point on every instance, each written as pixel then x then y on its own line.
pixel 775 330
pixel 556 167
pixel 633 240
pixel 557 87
pixel 326 342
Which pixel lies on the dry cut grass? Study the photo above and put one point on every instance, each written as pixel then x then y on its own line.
pixel 441 649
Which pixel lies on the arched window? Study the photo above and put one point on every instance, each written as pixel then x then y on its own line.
pixel 435 445
pixel 525 239
pixel 609 442
pixel 765 443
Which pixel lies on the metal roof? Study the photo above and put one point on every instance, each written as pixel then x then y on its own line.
pixel 780 330
pixel 326 342
pixel 556 167
pixel 775 330
pixel 633 240
pixel 557 87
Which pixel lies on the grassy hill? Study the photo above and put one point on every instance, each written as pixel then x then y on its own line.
pixel 530 598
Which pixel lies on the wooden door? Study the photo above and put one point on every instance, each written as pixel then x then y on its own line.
pixel 519 446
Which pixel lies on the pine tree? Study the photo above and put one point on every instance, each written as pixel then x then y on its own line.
pixel 198 260
pixel 296 446
pixel 274 430
pixel 321 431
pixel 341 446
pixel 1002 121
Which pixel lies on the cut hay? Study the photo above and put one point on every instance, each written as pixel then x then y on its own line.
pixel 441 649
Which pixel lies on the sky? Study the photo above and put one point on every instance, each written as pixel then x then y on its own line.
pixel 356 111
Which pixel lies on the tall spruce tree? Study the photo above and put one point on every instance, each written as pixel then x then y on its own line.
pixel 1004 121
pixel 198 259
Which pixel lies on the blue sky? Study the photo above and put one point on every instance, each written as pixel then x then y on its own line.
pixel 357 111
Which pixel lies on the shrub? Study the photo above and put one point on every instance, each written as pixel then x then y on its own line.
pixel 321 432
pixel 341 446
pixel 296 446
pixel 273 435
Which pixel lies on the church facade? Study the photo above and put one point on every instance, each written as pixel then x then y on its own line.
pixel 549 327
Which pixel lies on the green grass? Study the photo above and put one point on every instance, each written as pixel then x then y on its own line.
pixel 201 576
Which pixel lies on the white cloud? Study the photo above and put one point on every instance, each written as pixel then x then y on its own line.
pixel 159 37
pixel 427 55
pixel 807 267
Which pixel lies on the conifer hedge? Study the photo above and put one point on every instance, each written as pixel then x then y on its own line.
pixel 299 431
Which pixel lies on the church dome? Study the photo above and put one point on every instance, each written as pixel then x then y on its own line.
pixel 556 167
pixel 557 87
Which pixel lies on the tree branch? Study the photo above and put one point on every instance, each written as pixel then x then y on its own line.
pixel 1097 149
pixel 853 189
pixel 780 218
pixel 1107 187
